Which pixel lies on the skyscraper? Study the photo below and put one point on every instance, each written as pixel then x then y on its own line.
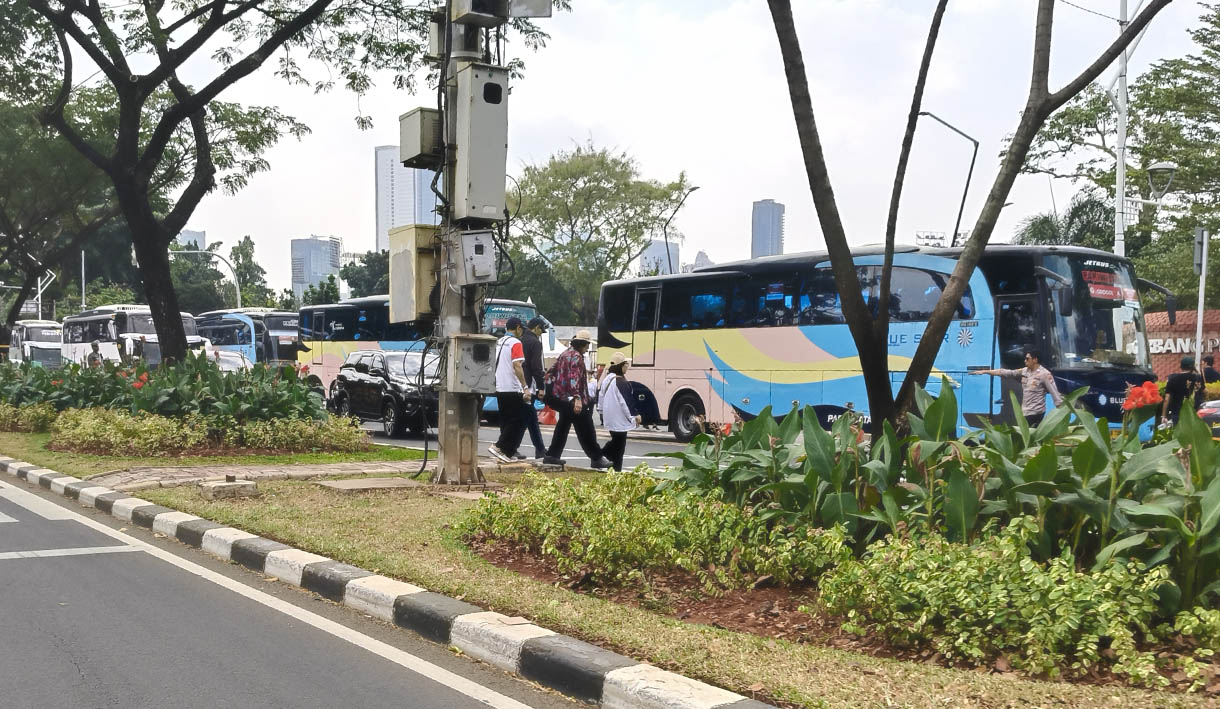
pixel 654 261
pixel 767 229
pixel 198 238
pixel 314 259
pixel 404 195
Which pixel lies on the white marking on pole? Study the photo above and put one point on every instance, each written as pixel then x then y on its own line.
pixel 74 551
pixel 399 657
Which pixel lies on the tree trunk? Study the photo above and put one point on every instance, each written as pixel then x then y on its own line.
pixel 153 258
pixel 14 312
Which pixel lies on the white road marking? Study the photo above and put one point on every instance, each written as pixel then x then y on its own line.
pixel 77 551
pixel 33 503
pixel 399 657
pixel 5 518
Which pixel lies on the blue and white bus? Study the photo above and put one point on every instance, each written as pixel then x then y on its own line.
pixel 726 341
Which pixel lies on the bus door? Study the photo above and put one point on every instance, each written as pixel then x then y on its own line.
pixel 644 336
pixel 1016 329
pixel 318 332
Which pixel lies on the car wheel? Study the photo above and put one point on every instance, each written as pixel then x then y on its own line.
pixel 391 420
pixel 343 407
pixel 686 417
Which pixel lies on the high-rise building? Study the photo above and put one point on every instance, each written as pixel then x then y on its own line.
pixel 404 195
pixel 767 229
pixel 314 259
pixel 655 261
pixel 198 238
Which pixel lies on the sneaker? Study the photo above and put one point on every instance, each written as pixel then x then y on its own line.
pixel 600 464
pixel 498 454
pixel 520 457
pixel 551 460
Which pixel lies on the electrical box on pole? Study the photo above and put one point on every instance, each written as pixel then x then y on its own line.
pixel 471 365
pixel 412 271
pixel 474 263
pixel 482 138
pixel 420 143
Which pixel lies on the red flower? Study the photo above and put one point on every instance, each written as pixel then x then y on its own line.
pixel 1146 394
pixel 144 377
pixel 137 384
pixel 56 382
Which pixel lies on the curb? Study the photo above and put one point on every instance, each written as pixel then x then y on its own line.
pixel 569 666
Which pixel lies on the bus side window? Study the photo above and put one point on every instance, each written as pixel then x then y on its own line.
pixel 646 310
pixel 819 302
pixel 694 305
pixel 617 306
pixel 914 294
pixel 765 300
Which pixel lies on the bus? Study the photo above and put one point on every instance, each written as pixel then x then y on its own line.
pixel 120 330
pixel 726 341
pixel 270 336
pixel 328 333
pixel 38 342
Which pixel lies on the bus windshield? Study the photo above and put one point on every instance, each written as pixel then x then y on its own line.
pixel 37 333
pixel 142 324
pixel 495 315
pixel 1106 324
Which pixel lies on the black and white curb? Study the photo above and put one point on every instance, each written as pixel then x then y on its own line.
pixel 567 665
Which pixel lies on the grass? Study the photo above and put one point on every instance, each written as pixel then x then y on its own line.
pixel 408 536
pixel 31 447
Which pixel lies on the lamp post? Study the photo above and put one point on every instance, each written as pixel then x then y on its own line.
pixel 969 174
pixel 669 256
pixel 232 270
pixel 1160 178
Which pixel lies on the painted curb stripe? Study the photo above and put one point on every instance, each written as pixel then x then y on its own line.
pixel 648 687
pixel 570 666
pixel 191 533
pixel 376 595
pixel 289 564
pixel 143 516
pixel 252 553
pixel 329 579
pixel 430 614
pixel 59 484
pixel 494 638
pixel 105 503
pixel 124 507
pixel 89 495
pixel 45 479
pixel 169 522
pixel 219 542
pixel 72 490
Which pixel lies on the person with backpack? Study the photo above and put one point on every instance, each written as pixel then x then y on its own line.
pixel 1182 388
pixel 535 374
pixel 512 393
pixel 567 385
pixel 617 407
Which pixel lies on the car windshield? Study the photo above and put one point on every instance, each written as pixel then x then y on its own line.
pixel 42 334
pixel 1106 325
pixel 406 364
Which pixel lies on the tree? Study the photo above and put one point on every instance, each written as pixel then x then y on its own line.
pixel 589 214
pixel 199 283
pixel 322 294
pixel 1173 115
pixel 532 279
pixel 871 334
pixel 286 300
pixel 140 50
pixel 1088 221
pixel 253 279
pixel 369 275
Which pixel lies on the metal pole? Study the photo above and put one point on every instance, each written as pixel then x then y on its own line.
pixel 236 284
pixel 1207 237
pixel 969 174
pixel 1120 152
pixel 665 229
pixel 82 279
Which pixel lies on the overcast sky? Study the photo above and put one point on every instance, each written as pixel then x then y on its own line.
pixel 698 86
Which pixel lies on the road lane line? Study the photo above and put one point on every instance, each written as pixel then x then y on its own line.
pixel 5 518
pixel 77 551
pixel 399 657
pixel 33 503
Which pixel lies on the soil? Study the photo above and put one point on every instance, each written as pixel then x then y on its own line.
pixel 772 611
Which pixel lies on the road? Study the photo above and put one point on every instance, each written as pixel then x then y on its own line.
pixel 101 615
pixel 641 447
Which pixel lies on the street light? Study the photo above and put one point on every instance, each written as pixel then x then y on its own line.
pixel 669 256
pixel 969 174
pixel 236 284
pixel 1160 177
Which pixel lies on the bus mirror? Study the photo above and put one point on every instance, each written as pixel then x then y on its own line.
pixel 1063 301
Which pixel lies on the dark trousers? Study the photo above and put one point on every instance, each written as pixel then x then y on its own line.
pixel 1034 419
pixel 535 431
pixel 512 421
pixel 615 448
pixel 586 432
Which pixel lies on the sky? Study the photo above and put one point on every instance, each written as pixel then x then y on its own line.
pixel 697 86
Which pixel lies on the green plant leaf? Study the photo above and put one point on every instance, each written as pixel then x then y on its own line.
pixel 1043 467
pixel 819 446
pixel 1088 460
pixel 1104 556
pixel 839 508
pixel 1209 506
pixel 961 505
pixel 940 418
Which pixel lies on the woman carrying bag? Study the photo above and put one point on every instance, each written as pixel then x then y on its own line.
pixel 617 407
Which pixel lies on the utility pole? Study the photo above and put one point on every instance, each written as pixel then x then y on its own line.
pixel 1119 99
pixel 1202 239
pixel 441 273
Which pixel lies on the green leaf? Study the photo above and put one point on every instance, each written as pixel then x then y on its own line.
pixel 839 508
pixel 1192 432
pixel 940 418
pixel 1104 556
pixel 1163 515
pixel 1209 504
pixel 1150 461
pixel 961 505
pixel 1088 460
pixel 1042 467
pixel 819 446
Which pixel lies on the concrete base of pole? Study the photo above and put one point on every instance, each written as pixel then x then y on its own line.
pixel 458 429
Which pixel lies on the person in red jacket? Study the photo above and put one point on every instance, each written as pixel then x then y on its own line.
pixel 570 399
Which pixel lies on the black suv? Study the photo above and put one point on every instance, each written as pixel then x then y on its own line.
pixel 386 386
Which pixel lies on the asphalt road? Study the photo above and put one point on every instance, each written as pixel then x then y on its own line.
pixel 98 615
pixel 641 446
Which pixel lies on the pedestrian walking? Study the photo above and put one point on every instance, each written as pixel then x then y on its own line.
pixel 535 373
pixel 1180 388
pixel 569 396
pixel 1036 383
pixel 94 359
pixel 617 406
pixel 1209 370
pixel 512 393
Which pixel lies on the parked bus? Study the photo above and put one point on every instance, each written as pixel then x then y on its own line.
pixel 272 335
pixel 726 341
pixel 112 326
pixel 38 342
pixel 331 332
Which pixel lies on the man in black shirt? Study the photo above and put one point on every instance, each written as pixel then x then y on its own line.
pixel 1184 388
pixel 535 372
pixel 1209 370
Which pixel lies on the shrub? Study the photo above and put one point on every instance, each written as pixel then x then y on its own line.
pixel 299 436
pixel 979 601
pixel 33 418
pixel 619 528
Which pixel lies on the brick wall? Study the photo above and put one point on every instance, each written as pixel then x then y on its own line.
pixel 1167 344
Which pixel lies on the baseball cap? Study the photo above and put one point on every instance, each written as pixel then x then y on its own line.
pixel 619 358
pixel 537 322
pixel 513 323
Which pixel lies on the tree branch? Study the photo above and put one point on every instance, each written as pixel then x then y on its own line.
pixel 53 115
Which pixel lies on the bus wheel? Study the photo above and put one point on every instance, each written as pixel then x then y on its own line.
pixel 686 417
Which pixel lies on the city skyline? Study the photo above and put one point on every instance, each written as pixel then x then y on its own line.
pixel 313 259
pixel 402 195
pixel 766 228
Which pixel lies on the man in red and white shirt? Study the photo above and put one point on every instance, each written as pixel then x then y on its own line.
pixel 512 393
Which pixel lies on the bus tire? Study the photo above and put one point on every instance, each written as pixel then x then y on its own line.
pixel 686 416
pixel 392 420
